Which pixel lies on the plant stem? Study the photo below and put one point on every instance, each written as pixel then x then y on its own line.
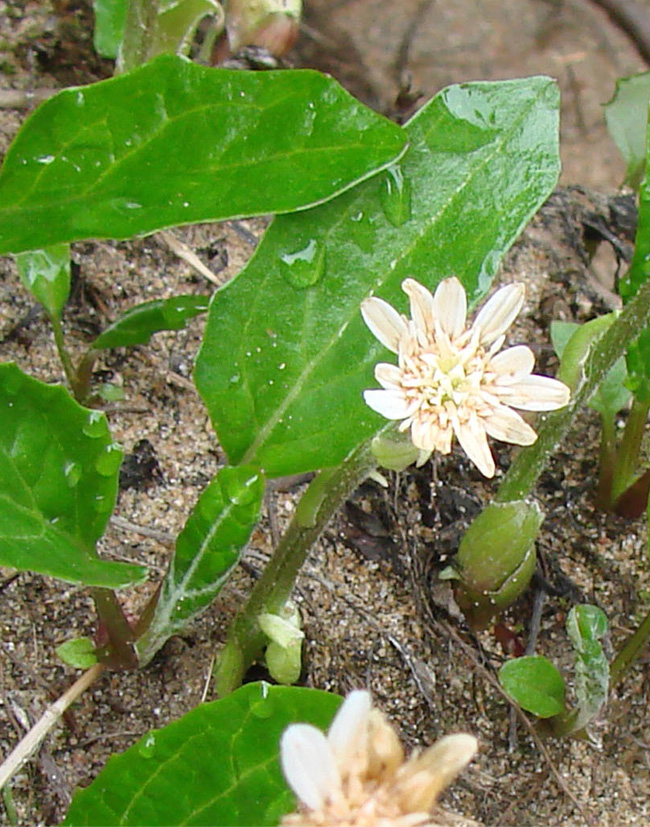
pixel 139 34
pixel 64 356
pixel 119 653
pixel 530 462
pixel 628 453
pixel 607 462
pixel 320 502
pixel 630 651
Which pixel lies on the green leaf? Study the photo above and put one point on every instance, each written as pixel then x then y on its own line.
pixel 206 551
pixel 612 395
pixel 46 274
pixel 110 18
pixel 585 626
pixel 58 483
pixel 174 143
pixel 535 684
pixel 286 355
pixel 627 120
pixel 79 652
pixel 137 325
pixel 216 765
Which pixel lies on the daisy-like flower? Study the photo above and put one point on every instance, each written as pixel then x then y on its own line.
pixel 450 378
pixel 356 775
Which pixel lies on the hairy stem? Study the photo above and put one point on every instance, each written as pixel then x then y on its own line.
pixel 626 468
pixel 119 653
pixel 530 462
pixel 320 502
pixel 630 652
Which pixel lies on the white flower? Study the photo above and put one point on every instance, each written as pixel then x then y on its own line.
pixel 356 775
pixel 450 378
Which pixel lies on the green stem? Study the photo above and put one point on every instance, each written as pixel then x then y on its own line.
pixel 84 373
pixel 628 455
pixel 607 462
pixel 327 491
pixel 64 356
pixel 139 34
pixel 630 651
pixel 119 653
pixel 530 462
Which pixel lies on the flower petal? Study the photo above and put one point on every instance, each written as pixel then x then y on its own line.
pixel 389 403
pixel 506 425
pixel 499 313
pixel 518 359
pixel 309 766
pixel 422 307
pixel 533 393
pixel 424 777
pixel 348 733
pixel 384 322
pixel 388 376
pixel 450 306
pixel 473 440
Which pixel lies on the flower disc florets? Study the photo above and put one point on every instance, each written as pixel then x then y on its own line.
pixel 450 378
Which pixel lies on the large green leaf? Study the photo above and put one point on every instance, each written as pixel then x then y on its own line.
pixel 58 483
pixel 206 551
pixel 216 765
pixel 174 143
pixel 139 323
pixel 286 355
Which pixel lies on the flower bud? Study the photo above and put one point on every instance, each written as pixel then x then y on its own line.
pixel 284 652
pixel 496 559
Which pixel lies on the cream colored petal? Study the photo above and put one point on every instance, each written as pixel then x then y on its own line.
pixel 506 425
pixel 422 310
pixel 518 359
pixel 389 403
pixel 534 393
pixel 499 313
pixel 423 778
pixel 384 322
pixel 473 440
pixel 309 766
pixel 348 731
pixel 388 376
pixel 450 306
pixel 423 457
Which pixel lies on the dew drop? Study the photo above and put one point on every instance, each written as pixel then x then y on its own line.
pixel 147 746
pixel 94 427
pixel 101 504
pixel 44 159
pixel 241 493
pixel 304 267
pixel 262 706
pixel 72 473
pixel 235 379
pixel 358 217
pixel 109 461
pixel 395 196
pixel 282 365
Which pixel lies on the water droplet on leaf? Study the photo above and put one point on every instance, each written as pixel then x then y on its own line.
pixel 95 426
pixel 72 473
pixel 147 746
pixel 395 196
pixel 305 267
pixel 241 492
pixel 109 461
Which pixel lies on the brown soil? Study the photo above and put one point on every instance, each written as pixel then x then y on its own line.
pixel 374 613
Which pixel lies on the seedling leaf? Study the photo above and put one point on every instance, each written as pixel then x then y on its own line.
pixel 585 626
pixel 286 355
pixel 175 143
pixel 219 764
pixel 206 551
pixel 535 684
pixel 627 120
pixel 58 483
pixel 137 325
pixel 46 274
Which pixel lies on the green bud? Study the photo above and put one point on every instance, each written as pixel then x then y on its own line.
pixel 283 654
pixel 496 559
pixel 394 453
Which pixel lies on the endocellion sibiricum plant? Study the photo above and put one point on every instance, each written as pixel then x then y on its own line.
pixel 358 776
pixel 284 366
pixel 452 379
